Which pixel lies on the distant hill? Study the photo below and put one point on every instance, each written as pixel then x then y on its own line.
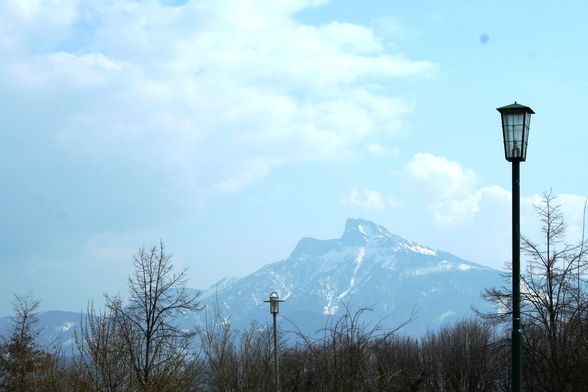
pixel 55 328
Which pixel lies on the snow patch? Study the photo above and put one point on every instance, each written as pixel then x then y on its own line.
pixel 328 292
pixel 441 267
pixel 358 260
pixel 416 248
pixel 421 249
pixel 283 290
pixel 464 267
pixel 65 327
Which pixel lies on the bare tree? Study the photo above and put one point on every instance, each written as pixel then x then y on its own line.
pixel 158 349
pixel 217 340
pixel 102 356
pixel 399 364
pixel 351 355
pixel 23 363
pixel 553 302
pixel 462 358
pixel 235 360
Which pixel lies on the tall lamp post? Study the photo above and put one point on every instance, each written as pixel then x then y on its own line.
pixel 516 119
pixel 274 303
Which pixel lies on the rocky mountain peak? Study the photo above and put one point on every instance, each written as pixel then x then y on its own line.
pixel 359 231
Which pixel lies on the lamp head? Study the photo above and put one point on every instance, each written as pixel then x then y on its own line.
pixel 516 120
pixel 274 302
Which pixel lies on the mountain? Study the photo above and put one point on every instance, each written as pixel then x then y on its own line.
pixel 367 267
pixel 54 328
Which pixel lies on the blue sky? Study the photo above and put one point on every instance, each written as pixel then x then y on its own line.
pixel 231 129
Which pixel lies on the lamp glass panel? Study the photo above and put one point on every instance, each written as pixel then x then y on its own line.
pixel 526 135
pixel 513 125
pixel 274 305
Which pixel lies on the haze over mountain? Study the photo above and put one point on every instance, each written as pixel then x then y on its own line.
pixel 367 267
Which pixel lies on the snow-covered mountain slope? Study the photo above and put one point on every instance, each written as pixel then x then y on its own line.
pixel 367 267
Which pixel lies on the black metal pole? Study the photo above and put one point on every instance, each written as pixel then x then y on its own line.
pixel 276 367
pixel 517 335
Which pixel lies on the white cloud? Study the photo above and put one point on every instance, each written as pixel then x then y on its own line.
pixel 453 196
pixel 124 117
pixel 452 191
pixel 376 149
pixel 370 199
pixel 393 26
pixel 253 171
pixel 195 84
pixel 66 69
pixel 445 177
pixel 572 207
pixel 29 27
pixel 496 192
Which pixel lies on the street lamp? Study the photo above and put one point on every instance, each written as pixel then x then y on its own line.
pixel 515 131
pixel 274 303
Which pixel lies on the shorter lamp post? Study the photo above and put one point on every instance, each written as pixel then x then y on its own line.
pixel 516 120
pixel 274 302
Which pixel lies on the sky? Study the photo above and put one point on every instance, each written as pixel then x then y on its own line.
pixel 231 129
